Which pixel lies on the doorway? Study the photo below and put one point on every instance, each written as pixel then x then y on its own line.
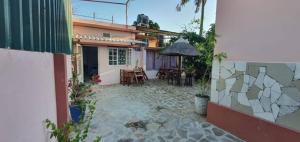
pixel 90 62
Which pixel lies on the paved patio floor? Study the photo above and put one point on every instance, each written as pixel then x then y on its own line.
pixel 163 113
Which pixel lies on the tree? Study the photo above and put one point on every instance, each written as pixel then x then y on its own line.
pixel 197 3
pixel 153 25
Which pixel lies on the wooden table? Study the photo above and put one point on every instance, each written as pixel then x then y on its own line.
pixel 126 76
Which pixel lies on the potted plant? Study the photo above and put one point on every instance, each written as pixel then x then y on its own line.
pixel 202 98
pixel 78 92
pixel 207 50
pixel 74 132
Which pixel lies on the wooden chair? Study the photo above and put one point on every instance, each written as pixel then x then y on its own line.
pixel 170 76
pixel 126 77
pixel 139 75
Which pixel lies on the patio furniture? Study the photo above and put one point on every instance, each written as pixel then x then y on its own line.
pixel 189 79
pixel 139 75
pixel 126 77
pixel 162 73
pixel 180 48
pixel 170 76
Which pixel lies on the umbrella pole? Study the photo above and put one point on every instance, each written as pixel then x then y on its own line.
pixel 180 64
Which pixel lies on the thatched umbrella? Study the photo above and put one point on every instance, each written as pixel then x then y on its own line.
pixel 180 48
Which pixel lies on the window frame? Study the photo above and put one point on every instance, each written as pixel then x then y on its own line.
pixel 113 59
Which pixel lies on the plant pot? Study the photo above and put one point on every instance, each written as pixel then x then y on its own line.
pixel 76 113
pixel 201 104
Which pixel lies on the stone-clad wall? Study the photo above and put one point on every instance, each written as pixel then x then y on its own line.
pixel 266 90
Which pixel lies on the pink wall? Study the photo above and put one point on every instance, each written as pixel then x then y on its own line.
pixel 27 93
pixel 259 30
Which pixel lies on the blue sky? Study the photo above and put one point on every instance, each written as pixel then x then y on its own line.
pixel 161 11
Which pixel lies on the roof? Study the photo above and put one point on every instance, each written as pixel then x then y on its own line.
pixel 161 32
pixel 104 25
pixel 180 48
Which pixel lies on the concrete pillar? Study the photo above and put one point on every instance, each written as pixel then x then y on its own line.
pixel 61 88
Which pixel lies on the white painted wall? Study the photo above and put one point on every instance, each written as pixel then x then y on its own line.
pixel 110 74
pixel 27 93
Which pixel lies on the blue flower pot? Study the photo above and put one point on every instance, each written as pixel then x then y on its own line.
pixel 76 113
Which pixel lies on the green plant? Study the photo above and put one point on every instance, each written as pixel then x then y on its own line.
pixel 78 91
pixel 73 132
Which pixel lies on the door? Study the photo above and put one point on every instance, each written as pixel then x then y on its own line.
pixel 90 62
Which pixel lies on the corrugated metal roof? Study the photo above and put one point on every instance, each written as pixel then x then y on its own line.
pixel 36 25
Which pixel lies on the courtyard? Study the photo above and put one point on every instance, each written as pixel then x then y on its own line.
pixel 153 112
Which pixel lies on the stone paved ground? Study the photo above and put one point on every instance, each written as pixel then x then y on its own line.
pixel 166 114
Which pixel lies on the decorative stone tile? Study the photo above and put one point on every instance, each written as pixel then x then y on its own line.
pixel 286 100
pixel 240 66
pixel 221 84
pixel 246 79
pixel 274 96
pixel 228 65
pixel 214 92
pixel 283 110
pixel 229 84
pixel 276 88
pixel 276 72
pixel 225 73
pixel 221 95
pixel 290 120
pixel 297 72
pixel 275 92
pixel 296 83
pixel 245 88
pixel 242 108
pixel 237 74
pixel 292 66
pixel 253 69
pixel 251 80
pixel 253 92
pixel 266 116
pixel 262 69
pixel 216 69
pixel 267 92
pixel 268 81
pixel 225 100
pixel 260 80
pixel 292 92
pixel 242 99
pixel 256 106
pixel 233 71
pixel 266 103
pixel 237 86
pixel 275 110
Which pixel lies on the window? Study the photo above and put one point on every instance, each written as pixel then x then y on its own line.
pixel 113 56
pixel 107 35
pixel 119 56
pixel 129 57
pixel 122 56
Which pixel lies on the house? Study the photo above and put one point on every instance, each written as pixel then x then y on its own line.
pixel 105 48
pixel 35 46
pixel 156 41
pixel 255 92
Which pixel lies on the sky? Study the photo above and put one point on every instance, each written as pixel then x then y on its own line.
pixel 161 11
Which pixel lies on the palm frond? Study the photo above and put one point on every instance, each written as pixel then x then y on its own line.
pixel 181 4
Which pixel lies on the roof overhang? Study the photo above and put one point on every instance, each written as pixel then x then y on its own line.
pixel 103 25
